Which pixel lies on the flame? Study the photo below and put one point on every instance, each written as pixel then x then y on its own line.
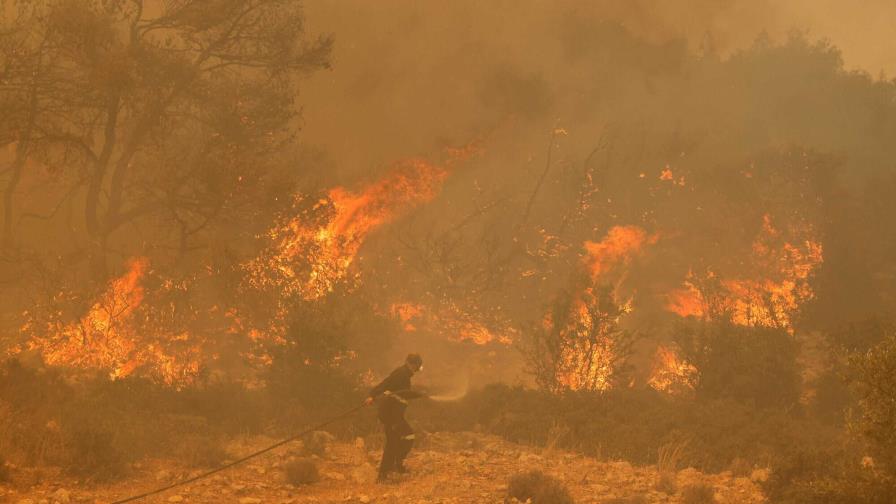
pixel 107 337
pixel 670 373
pixel 451 321
pixel 312 251
pixel 771 300
pixel 590 331
pixel 619 246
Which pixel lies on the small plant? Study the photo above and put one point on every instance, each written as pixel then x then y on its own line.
pixel 538 488
pixel 698 493
pixel 301 472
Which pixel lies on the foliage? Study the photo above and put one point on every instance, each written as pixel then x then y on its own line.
pixel 301 472
pixel 632 424
pixel 166 117
pixel 538 488
pixel 876 381
pixel 827 474
pixel 753 365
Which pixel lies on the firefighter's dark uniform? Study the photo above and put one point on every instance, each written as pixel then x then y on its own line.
pixel 393 395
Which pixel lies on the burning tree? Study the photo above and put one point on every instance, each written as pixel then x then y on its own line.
pixel 580 345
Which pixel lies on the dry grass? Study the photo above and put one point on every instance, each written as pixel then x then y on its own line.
pixel 668 458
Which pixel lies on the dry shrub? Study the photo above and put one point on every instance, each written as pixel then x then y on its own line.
pixel 301 472
pixel 538 488
pixel 698 493
pixel 668 457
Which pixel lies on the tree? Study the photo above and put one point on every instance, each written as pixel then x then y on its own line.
pixel 166 112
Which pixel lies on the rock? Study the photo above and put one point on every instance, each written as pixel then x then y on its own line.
pixel 163 475
pixel 249 500
pixel 363 499
pixel 25 501
pixel 61 496
pixel 175 498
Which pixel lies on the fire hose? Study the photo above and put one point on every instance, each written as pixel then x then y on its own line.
pixel 243 459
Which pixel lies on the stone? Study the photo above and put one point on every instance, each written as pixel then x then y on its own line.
pixel 250 500
pixel 363 499
pixel 163 475
pixel 175 498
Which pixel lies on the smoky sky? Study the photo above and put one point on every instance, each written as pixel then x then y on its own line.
pixel 409 77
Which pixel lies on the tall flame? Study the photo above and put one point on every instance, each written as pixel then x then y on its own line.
pixel 313 251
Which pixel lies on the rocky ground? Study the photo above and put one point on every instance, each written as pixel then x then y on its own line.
pixel 445 468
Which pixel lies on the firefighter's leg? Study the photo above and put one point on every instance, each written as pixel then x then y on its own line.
pixel 405 436
pixel 390 450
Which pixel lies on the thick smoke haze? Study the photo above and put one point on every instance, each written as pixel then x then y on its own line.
pixel 409 76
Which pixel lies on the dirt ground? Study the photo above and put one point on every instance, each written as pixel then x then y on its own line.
pixel 445 468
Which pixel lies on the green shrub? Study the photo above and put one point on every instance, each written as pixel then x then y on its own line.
pixel 301 472
pixel 756 366
pixel 539 487
pixel 698 493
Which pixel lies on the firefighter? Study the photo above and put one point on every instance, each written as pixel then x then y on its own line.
pixel 392 396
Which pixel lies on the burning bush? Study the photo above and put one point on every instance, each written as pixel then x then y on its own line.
pixel 301 472
pixel 580 345
pixel 538 488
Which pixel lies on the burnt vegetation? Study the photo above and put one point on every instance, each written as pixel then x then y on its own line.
pixel 706 279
